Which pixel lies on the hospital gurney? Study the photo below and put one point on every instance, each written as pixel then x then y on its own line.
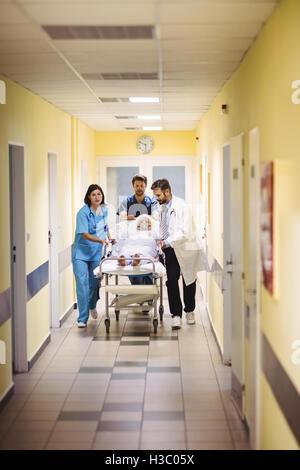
pixel 132 297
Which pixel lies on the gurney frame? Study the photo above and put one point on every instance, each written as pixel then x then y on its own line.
pixel 142 290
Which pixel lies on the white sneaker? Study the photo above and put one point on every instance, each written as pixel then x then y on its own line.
pixel 94 313
pixel 80 324
pixel 176 323
pixel 190 318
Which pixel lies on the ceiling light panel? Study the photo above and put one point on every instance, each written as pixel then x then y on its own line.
pixel 145 117
pixel 135 99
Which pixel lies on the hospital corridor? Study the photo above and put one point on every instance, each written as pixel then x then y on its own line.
pixel 150 225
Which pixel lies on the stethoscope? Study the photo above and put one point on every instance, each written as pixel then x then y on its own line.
pixel 91 214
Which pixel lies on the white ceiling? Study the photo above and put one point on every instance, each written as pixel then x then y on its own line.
pixel 198 45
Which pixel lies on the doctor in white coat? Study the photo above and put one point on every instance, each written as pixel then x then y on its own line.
pixel 175 234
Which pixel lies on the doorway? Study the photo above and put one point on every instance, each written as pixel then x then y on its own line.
pixel 53 241
pixel 253 290
pixel 234 322
pixel 227 265
pixel 204 221
pixel 18 257
pixel 115 175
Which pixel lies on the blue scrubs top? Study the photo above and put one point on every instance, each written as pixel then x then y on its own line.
pixel 132 207
pixel 88 222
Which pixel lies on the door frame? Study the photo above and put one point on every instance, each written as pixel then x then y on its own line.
pixel 18 256
pixel 238 276
pixel 53 241
pixel 204 218
pixel 253 290
pixel 145 164
pixel 226 256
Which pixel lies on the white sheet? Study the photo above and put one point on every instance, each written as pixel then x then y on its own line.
pixel 112 267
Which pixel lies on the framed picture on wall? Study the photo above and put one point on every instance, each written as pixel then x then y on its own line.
pixel 267 224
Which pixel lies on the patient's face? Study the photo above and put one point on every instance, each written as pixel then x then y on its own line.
pixel 144 224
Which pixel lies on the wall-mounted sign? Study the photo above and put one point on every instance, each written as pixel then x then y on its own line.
pixel 2 92
pixel 266 224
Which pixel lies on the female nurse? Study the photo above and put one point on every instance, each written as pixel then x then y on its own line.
pixel 90 237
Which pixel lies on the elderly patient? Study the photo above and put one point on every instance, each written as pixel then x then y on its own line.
pixel 138 239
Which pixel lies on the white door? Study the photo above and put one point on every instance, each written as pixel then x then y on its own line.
pixel 227 262
pixel 18 257
pixel 254 286
pixel 115 175
pixel 53 241
pixel 204 222
pixel 237 276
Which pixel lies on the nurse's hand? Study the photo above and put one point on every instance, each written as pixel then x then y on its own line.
pixel 104 242
pixel 112 240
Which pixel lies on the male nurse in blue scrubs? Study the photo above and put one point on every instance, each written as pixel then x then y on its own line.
pixel 133 206
pixel 90 237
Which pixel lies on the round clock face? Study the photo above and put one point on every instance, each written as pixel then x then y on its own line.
pixel 145 144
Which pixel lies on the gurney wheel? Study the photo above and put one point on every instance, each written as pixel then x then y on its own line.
pixel 155 324
pixel 117 312
pixel 107 324
pixel 161 312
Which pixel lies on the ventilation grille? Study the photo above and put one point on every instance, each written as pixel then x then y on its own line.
pixel 120 76
pixel 126 117
pixel 114 100
pixel 133 128
pixel 100 32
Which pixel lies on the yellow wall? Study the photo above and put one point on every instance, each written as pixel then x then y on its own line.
pixel 42 128
pixel 259 94
pixel 275 431
pixel 165 143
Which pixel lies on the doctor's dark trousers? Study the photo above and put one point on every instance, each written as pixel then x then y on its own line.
pixel 189 292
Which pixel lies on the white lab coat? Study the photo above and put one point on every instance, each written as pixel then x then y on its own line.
pixel 188 250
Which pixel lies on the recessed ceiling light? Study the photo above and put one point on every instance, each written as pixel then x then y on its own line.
pixel 136 99
pixel 149 117
pixel 149 128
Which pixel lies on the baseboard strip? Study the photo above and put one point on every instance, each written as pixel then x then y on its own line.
pixel 7 396
pixel 39 351
pixel 67 314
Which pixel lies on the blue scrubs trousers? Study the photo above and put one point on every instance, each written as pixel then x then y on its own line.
pixel 87 287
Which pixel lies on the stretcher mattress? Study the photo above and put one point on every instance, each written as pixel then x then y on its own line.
pixel 112 267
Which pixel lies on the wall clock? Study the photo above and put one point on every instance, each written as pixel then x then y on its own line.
pixel 145 144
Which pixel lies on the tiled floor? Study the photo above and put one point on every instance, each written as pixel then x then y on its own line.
pixel 128 390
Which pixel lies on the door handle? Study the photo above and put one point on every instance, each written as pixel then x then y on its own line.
pixel 251 291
